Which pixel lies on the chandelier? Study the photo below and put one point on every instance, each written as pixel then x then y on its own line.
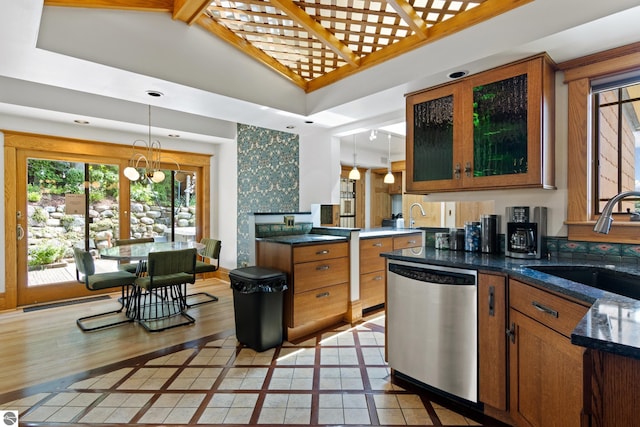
pixel 149 153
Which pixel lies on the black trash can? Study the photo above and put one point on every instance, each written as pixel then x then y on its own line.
pixel 257 305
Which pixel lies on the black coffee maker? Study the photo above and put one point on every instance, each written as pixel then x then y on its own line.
pixel 525 232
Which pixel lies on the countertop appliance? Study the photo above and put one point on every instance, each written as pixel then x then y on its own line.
pixel 432 326
pixel 525 232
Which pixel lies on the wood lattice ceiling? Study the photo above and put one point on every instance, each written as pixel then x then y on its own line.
pixel 314 43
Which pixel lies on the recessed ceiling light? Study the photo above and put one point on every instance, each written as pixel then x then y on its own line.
pixel 457 74
pixel 155 93
pixel 81 122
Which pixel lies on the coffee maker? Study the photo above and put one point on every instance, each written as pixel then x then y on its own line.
pixel 525 232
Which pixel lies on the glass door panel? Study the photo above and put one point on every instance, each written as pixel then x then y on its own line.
pixel 165 210
pixel 69 204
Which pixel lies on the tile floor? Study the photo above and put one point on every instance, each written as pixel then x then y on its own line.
pixel 336 378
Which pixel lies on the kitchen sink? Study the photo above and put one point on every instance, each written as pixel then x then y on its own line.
pixel 602 278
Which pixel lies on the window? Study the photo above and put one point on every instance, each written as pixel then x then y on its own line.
pixel 616 142
pixel 584 77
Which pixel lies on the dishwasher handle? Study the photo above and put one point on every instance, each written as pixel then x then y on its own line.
pixel 431 274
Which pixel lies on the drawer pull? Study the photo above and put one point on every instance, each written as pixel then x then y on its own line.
pixel 378 278
pixel 411 242
pixel 322 295
pixel 379 244
pixel 544 309
pixel 322 267
pixel 322 252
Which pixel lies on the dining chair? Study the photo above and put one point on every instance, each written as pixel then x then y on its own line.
pixel 208 261
pixel 126 265
pixel 161 293
pixel 100 281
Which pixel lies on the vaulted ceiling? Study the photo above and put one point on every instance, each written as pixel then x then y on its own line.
pixel 314 43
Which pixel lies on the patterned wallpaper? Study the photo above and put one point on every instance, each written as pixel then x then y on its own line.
pixel 268 177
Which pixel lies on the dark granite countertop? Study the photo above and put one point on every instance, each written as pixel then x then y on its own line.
pixel 297 239
pixel 612 323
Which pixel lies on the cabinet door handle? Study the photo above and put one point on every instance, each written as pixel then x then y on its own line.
pixel 544 309
pixel 378 278
pixel 322 267
pixel 322 252
pixel 511 333
pixel 323 295
pixel 467 169
pixel 492 300
pixel 379 244
pixel 456 171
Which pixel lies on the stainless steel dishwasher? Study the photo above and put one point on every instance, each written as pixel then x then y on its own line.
pixel 432 326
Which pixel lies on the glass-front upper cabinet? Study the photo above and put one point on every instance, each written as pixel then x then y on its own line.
pixel 491 130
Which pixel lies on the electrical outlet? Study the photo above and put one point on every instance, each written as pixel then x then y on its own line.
pixel 289 221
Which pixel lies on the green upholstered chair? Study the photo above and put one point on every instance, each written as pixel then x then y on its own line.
pixel 208 261
pixel 100 281
pixel 210 256
pixel 132 267
pixel 161 293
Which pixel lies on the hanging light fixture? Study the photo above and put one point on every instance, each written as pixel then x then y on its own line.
pixel 150 152
pixel 355 173
pixel 389 178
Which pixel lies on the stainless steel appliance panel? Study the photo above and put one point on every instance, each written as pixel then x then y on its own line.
pixel 432 326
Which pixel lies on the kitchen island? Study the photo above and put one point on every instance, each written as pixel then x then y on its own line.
pixel 563 340
pixel 334 273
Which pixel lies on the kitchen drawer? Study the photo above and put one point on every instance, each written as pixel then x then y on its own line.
pixel 407 241
pixel 321 251
pixel 370 250
pixel 320 303
pixel 551 310
pixel 372 288
pixel 314 275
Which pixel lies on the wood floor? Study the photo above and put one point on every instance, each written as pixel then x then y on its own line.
pixel 44 345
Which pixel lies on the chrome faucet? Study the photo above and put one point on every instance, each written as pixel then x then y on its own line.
pixel 411 221
pixel 603 225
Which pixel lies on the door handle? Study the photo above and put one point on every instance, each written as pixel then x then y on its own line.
pixel 511 333
pixel 492 300
pixel 20 232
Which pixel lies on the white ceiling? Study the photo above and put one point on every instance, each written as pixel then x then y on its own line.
pixel 62 64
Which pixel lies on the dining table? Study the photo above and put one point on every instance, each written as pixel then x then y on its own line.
pixel 140 252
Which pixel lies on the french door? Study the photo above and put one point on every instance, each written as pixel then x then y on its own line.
pixel 72 201
pixel 67 201
pixel 61 193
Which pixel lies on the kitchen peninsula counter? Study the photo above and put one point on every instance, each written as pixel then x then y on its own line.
pixel 612 324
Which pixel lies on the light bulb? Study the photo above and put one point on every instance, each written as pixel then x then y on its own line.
pixel 354 174
pixel 180 176
pixel 158 176
pixel 131 173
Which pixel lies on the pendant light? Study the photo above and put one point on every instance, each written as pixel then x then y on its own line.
pixel 389 178
pixel 355 173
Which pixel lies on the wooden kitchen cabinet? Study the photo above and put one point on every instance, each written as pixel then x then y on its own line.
pixel 491 130
pixel 373 274
pixel 546 370
pixel 396 187
pixel 318 281
pixel 492 341
pixel 405 241
pixel 613 389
